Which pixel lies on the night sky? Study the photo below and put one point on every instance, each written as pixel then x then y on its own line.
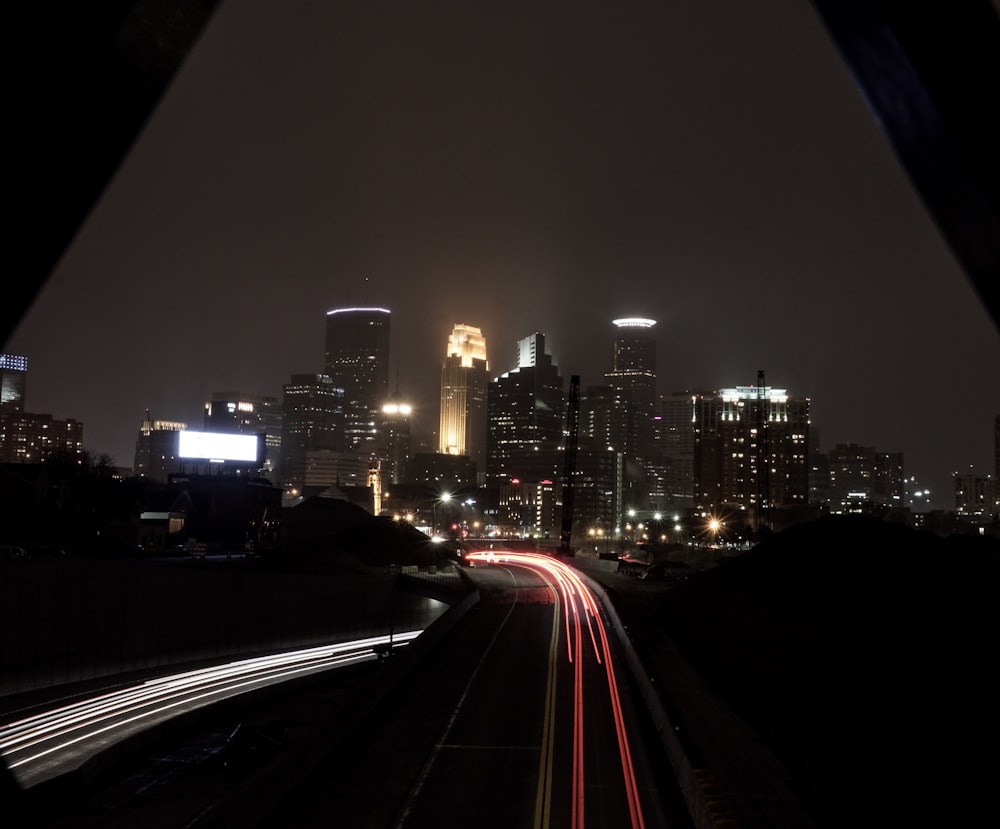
pixel 521 167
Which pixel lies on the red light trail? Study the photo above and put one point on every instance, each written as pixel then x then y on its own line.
pixel 578 606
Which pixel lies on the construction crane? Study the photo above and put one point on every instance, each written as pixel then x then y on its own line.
pixel 569 473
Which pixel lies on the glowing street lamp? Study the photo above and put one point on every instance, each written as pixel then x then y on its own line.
pixel 445 497
pixel 715 527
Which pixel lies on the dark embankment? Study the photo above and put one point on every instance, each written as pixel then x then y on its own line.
pixel 864 654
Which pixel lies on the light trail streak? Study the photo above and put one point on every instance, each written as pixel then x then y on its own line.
pixel 26 742
pixel 543 795
pixel 577 601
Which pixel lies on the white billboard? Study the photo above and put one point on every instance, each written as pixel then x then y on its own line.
pixel 218 446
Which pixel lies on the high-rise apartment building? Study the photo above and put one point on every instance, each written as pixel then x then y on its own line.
pixel 526 416
pixel 31 438
pixel 751 451
pixel 464 386
pixel 13 380
pixel 312 418
pixel 357 360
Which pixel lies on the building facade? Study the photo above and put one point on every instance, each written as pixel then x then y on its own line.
pixel 312 419
pixel 247 413
pixel 464 389
pixel 27 437
pixel 526 418
pixel 357 360
pixel 156 449
pixel 13 382
pixel 633 373
pixel 861 478
pixel 32 438
pixel 975 496
pixel 751 452
pixel 674 438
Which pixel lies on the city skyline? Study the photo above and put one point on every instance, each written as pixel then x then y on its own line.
pixel 428 431
pixel 525 170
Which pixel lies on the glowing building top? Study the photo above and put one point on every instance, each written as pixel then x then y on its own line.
pixel 13 374
pixel 358 311
pixel 467 343
pixel 634 322
pixel 464 384
pixel 754 392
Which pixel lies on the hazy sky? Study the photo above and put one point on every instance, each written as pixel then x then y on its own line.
pixel 521 167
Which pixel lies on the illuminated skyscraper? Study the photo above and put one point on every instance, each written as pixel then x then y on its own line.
pixel 751 451
pixel 634 374
pixel 357 360
pixel 526 418
pixel 312 419
pixel 13 378
pixel 464 383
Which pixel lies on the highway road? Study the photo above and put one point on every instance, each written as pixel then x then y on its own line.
pixel 521 718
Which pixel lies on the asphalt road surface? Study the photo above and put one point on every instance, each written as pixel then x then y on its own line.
pixel 518 720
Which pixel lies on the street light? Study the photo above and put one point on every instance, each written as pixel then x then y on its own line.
pixel 445 497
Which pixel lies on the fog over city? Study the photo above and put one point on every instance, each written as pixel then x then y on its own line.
pixel 520 168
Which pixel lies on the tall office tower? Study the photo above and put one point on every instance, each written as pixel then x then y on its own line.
pixel 357 359
pixel 673 435
pixel 395 429
pixel 464 384
pixel 634 372
pixel 156 449
pixel 860 477
pixel 312 419
pixel 247 414
pixel 604 418
pixel 751 451
pixel 13 379
pixel 526 416
pixel 600 464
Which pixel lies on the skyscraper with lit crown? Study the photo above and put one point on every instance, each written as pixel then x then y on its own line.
pixel 464 384
pixel 634 373
pixel 751 451
pixel 13 378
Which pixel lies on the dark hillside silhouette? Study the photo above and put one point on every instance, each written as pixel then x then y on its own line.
pixel 863 653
